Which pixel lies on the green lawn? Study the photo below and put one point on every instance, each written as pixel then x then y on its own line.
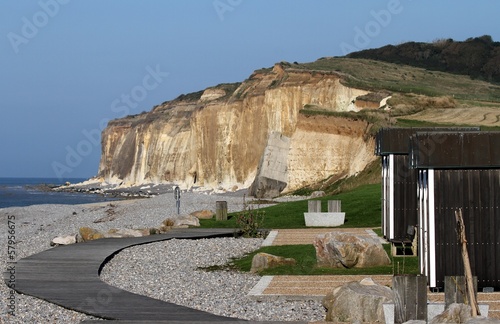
pixel 305 256
pixel 362 208
pixel 361 205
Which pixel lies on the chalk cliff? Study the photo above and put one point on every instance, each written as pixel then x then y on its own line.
pixel 250 134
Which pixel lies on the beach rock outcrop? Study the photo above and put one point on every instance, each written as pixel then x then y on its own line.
pixel 357 302
pixel 262 261
pixel 344 250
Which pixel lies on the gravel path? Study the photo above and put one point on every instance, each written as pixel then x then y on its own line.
pixel 35 226
pixel 169 271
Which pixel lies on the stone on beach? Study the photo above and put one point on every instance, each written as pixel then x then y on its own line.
pixel 344 250
pixel 186 220
pixel 203 214
pixel 262 261
pixel 126 232
pixel 89 234
pixel 63 240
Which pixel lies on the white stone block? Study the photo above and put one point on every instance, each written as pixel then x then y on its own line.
pixel 324 219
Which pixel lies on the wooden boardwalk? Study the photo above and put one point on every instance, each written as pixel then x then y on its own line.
pixel 69 276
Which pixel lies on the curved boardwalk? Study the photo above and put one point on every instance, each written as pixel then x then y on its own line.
pixel 69 276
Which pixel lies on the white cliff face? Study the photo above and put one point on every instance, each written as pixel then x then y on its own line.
pixel 324 146
pixel 218 139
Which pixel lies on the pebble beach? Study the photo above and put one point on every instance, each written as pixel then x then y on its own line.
pixel 168 270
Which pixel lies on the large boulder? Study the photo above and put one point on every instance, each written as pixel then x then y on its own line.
pixel 357 302
pixel 343 250
pixel 264 187
pixel 262 261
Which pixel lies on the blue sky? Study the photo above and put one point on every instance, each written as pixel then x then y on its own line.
pixel 68 66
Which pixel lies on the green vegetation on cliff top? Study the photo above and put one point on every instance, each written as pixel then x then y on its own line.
pixel 377 75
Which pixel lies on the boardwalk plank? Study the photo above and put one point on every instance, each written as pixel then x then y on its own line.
pixel 69 276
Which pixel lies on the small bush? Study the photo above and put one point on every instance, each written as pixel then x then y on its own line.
pixel 249 221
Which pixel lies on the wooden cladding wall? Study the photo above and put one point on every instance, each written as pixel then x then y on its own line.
pixel 405 199
pixel 477 192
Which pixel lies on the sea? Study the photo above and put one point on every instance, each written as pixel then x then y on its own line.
pixel 26 192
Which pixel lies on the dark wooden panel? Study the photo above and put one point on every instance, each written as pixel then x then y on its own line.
pixel 477 192
pixel 405 197
pixel 395 140
pixel 460 150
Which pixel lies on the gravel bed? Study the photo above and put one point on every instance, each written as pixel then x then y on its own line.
pixel 170 271
pixel 35 226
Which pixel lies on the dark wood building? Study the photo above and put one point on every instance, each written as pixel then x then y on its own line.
pixel 399 181
pixel 458 171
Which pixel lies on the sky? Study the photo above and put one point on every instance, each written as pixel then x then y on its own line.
pixel 69 66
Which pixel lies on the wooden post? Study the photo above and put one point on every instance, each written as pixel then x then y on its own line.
pixel 221 210
pixel 455 290
pixel 314 206
pixel 410 298
pixel 334 206
pixel 465 257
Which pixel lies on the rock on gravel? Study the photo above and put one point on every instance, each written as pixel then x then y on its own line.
pixel 170 271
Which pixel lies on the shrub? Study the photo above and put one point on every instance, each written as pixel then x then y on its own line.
pixel 249 220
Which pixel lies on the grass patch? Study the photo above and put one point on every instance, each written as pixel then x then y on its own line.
pixel 362 206
pixel 402 122
pixel 307 263
pixel 376 117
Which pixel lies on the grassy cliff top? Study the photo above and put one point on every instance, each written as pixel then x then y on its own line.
pixel 377 75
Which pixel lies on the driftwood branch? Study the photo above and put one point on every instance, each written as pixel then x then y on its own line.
pixel 465 257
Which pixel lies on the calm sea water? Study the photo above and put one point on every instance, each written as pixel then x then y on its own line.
pixel 23 192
